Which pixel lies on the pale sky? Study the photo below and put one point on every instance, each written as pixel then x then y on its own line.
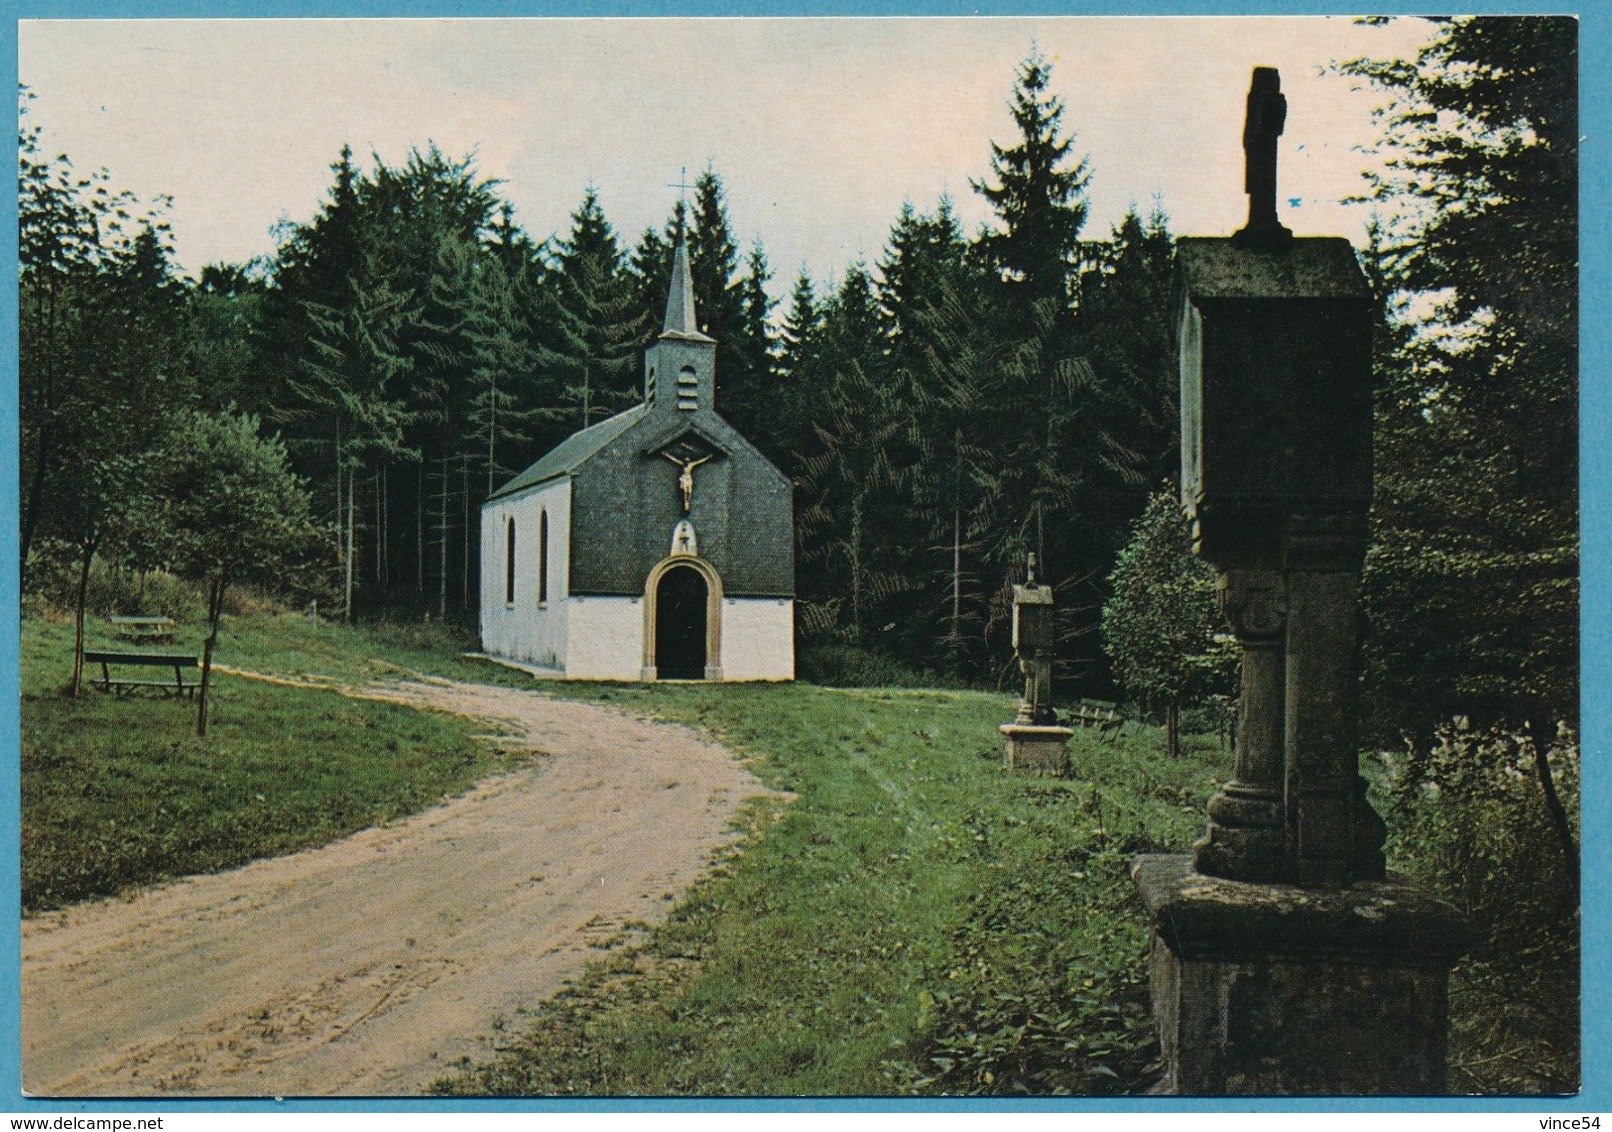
pixel 820 128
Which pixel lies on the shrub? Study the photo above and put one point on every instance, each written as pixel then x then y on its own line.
pixel 839 665
pixel 1473 818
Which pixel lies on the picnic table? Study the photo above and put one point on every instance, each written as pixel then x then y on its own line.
pixel 143 628
pixel 108 658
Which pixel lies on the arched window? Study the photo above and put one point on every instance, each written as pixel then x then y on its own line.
pixel 543 558
pixel 509 560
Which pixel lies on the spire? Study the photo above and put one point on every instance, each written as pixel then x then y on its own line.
pixel 680 317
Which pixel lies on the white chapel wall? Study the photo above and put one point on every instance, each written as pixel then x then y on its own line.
pixel 606 638
pixel 758 638
pixel 524 630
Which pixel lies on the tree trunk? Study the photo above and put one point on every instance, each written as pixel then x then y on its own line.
pixel 492 435
pixel 957 551
pixel 215 609
pixel 1172 731
pixel 383 545
pixel 1558 813
pixel 380 529
pixel 78 619
pixel 352 515
pixel 957 574
pixel 856 565
pixel 36 492
pixel 442 540
pixel 419 532
pixel 464 565
pixel 46 440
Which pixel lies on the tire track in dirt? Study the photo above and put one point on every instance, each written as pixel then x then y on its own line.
pixel 371 965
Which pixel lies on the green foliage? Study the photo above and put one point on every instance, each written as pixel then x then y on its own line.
pixel 397 329
pixel 1471 817
pixel 101 332
pixel 118 792
pixel 1039 198
pixel 1471 586
pixel 838 665
pixel 592 347
pixel 228 502
pixel 1124 328
pixel 1161 626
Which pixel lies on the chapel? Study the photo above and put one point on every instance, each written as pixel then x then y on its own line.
pixel 655 545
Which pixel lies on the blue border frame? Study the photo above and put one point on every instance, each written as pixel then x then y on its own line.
pixel 1595 399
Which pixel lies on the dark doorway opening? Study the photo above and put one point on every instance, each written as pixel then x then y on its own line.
pixel 680 625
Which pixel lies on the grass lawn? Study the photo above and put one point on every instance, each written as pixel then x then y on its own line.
pixel 915 920
pixel 119 792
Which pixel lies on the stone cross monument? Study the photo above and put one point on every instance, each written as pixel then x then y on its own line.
pixel 1034 741
pixel 1284 959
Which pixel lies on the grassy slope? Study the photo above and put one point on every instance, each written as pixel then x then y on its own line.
pixel 915 920
pixel 119 792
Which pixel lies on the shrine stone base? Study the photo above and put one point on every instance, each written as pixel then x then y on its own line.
pixel 1035 749
pixel 1277 990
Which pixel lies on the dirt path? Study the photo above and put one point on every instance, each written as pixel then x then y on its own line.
pixel 369 966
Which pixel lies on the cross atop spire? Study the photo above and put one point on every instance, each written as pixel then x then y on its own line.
pixel 682 186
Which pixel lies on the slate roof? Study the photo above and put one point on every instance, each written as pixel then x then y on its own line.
pixel 567 456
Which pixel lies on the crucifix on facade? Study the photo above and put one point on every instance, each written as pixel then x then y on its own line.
pixel 685 481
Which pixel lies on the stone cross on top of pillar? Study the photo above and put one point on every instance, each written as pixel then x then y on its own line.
pixel 1266 115
pixel 1284 957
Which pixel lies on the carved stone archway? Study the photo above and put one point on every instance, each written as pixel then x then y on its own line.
pixel 713 612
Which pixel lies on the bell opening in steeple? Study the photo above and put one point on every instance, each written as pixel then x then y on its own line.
pixel 680 367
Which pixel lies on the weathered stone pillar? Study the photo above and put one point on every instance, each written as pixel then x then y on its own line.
pixel 1247 834
pixel 1284 959
pixel 1034 741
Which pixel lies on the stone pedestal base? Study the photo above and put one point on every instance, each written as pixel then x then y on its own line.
pixel 1271 989
pixel 1035 749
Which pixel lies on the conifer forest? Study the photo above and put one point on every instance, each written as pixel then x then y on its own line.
pixel 964 400
pixel 322 425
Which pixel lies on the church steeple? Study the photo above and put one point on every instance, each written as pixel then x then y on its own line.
pixel 680 368
pixel 681 321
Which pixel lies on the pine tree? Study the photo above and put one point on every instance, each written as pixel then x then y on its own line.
pixel 923 270
pixel 1037 397
pixel 1039 195
pixel 797 339
pixel 596 345
pixel 351 384
pixel 850 485
pixel 1471 581
pixel 1123 330
pixel 748 385
pixel 713 257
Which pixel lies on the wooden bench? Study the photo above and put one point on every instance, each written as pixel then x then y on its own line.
pixel 143 628
pixel 1101 714
pixel 176 661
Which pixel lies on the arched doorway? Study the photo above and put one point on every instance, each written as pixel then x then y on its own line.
pixel 683 630
pixel 681 597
